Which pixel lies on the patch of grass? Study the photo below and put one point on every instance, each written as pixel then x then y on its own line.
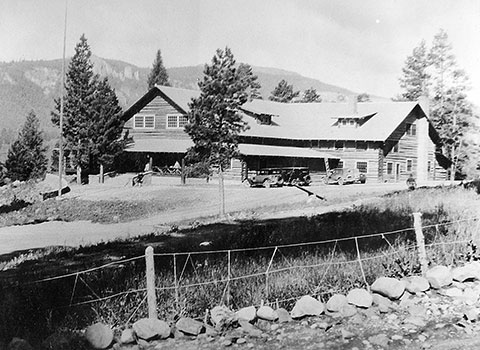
pixel 39 309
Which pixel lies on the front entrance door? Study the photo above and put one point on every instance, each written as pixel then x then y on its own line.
pixel 397 172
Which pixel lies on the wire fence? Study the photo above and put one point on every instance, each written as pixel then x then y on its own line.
pixel 276 275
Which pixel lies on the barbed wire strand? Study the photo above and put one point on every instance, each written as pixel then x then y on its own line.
pixel 247 249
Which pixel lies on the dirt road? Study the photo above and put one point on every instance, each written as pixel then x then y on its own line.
pixel 195 201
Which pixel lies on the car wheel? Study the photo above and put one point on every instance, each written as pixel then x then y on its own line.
pixel 267 183
pixel 340 181
pixel 363 181
pixel 246 183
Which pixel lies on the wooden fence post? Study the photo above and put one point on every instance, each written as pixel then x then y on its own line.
pixel 177 301
pixel 267 287
pixel 151 294
pixel 101 178
pixel 422 254
pixel 361 266
pixel 228 280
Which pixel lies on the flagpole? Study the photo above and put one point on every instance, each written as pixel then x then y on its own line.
pixel 62 103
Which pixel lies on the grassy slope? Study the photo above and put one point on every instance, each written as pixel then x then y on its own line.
pixel 394 258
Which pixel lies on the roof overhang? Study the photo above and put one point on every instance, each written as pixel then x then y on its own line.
pixel 279 151
pixel 154 145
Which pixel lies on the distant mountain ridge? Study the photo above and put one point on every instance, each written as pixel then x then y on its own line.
pixel 28 85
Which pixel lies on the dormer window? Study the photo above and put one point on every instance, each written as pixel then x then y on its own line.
pixel 348 122
pixel 264 119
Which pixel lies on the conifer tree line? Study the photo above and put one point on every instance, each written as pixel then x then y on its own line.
pixel 92 121
pixel 432 71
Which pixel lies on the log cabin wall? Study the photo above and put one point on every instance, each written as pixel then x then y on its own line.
pixel 160 109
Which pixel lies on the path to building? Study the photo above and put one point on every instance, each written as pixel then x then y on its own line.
pixel 241 203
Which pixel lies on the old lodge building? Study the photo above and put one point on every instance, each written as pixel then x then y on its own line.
pixel 387 141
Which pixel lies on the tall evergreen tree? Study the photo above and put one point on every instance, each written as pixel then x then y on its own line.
pixel 78 99
pixel 158 74
pixel 415 78
pixel 283 92
pixel 92 123
pixel 27 155
pixel 250 81
pixel 214 118
pixel 435 73
pixel 107 125
pixel 451 112
pixel 311 96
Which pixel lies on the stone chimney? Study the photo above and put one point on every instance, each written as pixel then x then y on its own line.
pixel 424 102
pixel 354 104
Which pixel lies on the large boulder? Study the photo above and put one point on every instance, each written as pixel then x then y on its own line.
pixel 247 313
pixel 267 313
pixel 388 287
pixel 222 316
pixel 99 335
pixel 417 284
pixel 439 276
pixel 360 297
pixel 307 306
pixel 149 328
pixel 336 302
pixel 189 326
pixel 470 271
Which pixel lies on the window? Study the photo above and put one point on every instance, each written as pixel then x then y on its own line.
pixel 176 121
pixel 396 147
pixel 411 129
pixel 339 145
pixel 144 121
pixel 409 165
pixel 429 166
pixel 362 167
pixel 361 145
pixel 389 168
pixel 340 164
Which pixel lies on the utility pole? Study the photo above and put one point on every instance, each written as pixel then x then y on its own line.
pixel 62 103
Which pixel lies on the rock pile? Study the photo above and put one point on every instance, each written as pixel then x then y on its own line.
pixel 409 304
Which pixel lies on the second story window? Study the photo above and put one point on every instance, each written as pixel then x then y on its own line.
pixel 176 121
pixel 411 129
pixel 144 121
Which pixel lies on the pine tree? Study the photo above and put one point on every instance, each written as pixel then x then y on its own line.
pixel 158 74
pixel 450 110
pixel 415 78
pixel 92 123
pixel 252 86
pixel 311 95
pixel 78 99
pixel 283 92
pixel 27 155
pixel 107 126
pixel 214 118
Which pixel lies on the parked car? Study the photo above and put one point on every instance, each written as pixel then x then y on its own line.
pixel 267 177
pixel 296 176
pixel 343 176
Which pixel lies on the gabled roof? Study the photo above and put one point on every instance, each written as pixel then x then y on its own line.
pixel 304 121
pixel 179 98
pixel 317 121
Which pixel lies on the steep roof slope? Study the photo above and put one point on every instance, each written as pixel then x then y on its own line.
pixel 302 121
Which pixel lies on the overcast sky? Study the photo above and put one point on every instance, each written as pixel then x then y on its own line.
pixel 357 44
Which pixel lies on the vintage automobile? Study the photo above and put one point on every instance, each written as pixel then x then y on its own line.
pixel 296 176
pixel 344 176
pixel 267 177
